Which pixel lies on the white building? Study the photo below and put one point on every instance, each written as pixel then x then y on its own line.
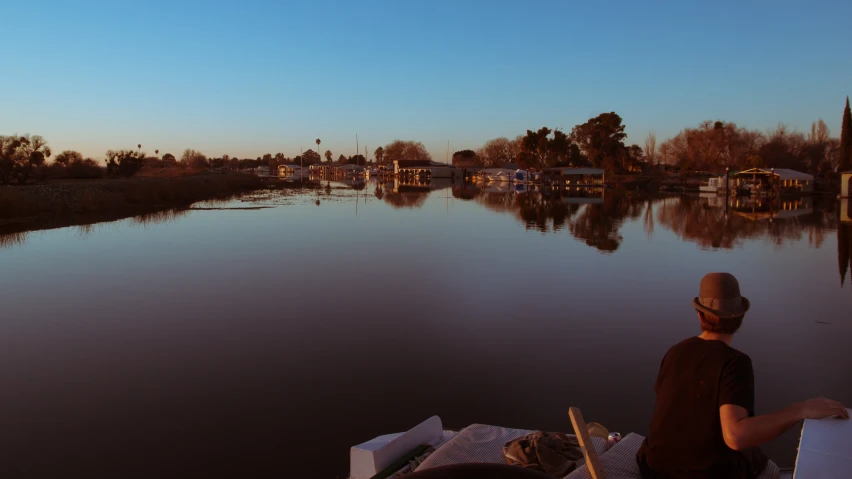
pixel 846 184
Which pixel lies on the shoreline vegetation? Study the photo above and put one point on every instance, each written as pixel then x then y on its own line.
pixel 72 203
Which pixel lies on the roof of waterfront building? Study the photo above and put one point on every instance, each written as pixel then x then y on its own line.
pixel 783 173
pixel 421 163
pixel 577 171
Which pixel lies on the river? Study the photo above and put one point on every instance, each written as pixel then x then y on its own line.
pixel 267 341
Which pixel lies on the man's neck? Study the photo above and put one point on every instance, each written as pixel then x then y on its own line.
pixel 710 336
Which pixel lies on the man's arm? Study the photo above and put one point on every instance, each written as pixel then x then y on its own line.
pixel 742 432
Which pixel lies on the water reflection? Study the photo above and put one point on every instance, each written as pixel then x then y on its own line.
pixel 715 223
pixel 165 216
pixel 593 216
pixel 409 192
pixel 8 240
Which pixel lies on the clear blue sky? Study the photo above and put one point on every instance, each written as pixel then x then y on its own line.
pixel 246 78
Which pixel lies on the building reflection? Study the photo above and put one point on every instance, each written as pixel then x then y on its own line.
pixel 844 239
pixel 844 247
pixel 716 223
pixel 410 191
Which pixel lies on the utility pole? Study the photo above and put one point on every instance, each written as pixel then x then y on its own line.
pixel 357 148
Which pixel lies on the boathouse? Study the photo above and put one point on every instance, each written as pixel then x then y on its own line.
pixel 575 176
pixel 768 180
pixel 846 184
pixel 353 170
pixel 425 168
pixel 288 170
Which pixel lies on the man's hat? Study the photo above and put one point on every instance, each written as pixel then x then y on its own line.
pixel 719 296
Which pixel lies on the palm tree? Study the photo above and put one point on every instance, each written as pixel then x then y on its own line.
pixel 156 152
pixel 318 143
pixel 380 153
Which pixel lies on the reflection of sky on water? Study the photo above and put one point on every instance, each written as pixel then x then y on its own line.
pixel 228 336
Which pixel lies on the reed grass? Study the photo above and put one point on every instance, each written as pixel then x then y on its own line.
pixel 116 196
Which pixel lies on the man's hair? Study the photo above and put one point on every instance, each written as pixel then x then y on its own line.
pixel 720 325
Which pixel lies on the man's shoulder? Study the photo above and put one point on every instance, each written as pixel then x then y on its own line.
pixel 696 345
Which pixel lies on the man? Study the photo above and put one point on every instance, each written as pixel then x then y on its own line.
pixel 704 424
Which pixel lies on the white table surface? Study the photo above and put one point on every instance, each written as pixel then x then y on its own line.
pixel 825 450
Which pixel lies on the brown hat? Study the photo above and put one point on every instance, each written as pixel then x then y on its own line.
pixel 719 296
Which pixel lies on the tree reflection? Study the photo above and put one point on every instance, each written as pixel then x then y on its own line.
pixel 406 196
pixel 712 223
pixel 466 191
pixel 593 216
pixel 598 225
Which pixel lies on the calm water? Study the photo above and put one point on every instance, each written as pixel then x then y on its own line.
pixel 248 343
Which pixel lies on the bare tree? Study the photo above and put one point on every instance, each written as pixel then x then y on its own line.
pixel 193 159
pixel 67 157
pixel 819 133
pixel 499 151
pixel 651 148
pixel 406 150
pixel 20 155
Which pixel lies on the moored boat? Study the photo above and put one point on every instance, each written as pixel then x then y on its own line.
pixel 497 175
pixel 522 176
pixel 715 184
pixel 428 445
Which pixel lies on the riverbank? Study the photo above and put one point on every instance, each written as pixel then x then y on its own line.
pixel 70 203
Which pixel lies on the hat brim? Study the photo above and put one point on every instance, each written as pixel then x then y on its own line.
pixel 743 309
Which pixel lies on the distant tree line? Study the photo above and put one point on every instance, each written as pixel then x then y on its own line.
pixel 599 142
pixel 711 146
pixel 717 145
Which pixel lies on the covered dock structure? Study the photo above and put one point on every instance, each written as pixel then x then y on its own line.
pixel 425 169
pixel 569 176
pixel 758 181
pixel 336 170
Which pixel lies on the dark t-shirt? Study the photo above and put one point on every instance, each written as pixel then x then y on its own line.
pixel 696 378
